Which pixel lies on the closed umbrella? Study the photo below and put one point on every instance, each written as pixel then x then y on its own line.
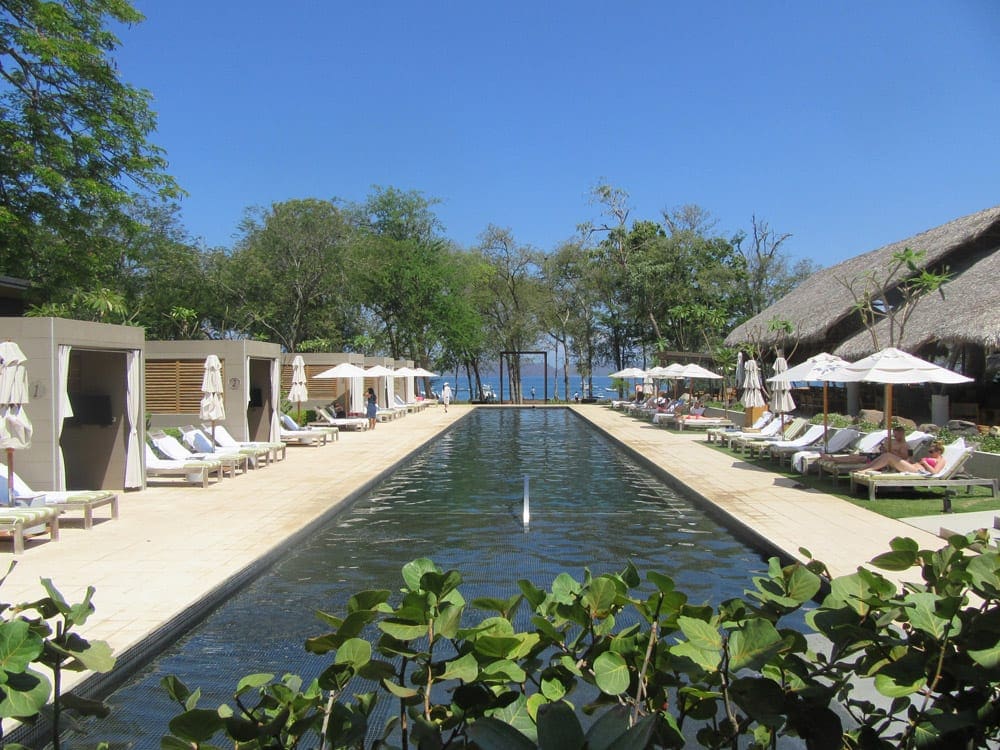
pixel 781 390
pixel 213 407
pixel 818 367
pixel 298 392
pixel 891 366
pixel 753 391
pixel 15 427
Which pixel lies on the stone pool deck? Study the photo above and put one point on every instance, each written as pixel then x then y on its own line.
pixel 175 545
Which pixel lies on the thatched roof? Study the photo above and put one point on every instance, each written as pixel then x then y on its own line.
pixel 820 309
pixel 967 311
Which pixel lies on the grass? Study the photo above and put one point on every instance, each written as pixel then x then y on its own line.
pixel 901 503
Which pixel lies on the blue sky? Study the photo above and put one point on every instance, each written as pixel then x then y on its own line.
pixel 847 124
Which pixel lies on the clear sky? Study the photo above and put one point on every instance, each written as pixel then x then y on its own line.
pixel 848 124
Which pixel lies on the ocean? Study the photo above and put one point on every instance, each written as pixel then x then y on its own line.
pixel 601 384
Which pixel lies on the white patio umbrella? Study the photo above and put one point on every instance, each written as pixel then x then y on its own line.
pixel 15 427
pixel 891 366
pixel 299 392
pixel 753 391
pixel 421 372
pixel 696 371
pixel 343 370
pixel 213 407
pixel 378 371
pixel 633 373
pixel 816 368
pixel 781 390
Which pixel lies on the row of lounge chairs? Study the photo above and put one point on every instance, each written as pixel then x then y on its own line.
pixel 848 451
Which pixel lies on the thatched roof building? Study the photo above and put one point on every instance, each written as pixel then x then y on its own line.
pixel 821 309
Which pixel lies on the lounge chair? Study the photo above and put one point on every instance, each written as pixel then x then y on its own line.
pixel 276 449
pixel 718 433
pixel 84 501
pixel 343 423
pixel 19 522
pixel 171 447
pixel 198 441
pixel 949 476
pixel 192 471
pixel 700 422
pixel 781 448
pixel 844 463
pixel 838 440
pixel 778 429
pixel 293 434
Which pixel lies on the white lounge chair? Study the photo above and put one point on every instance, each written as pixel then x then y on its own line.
pixel 224 439
pixel 172 448
pixel 718 433
pixel 197 441
pixel 293 434
pixel 837 440
pixel 954 457
pixel 343 423
pixel 193 471
pixel 780 448
pixel 21 522
pixel 84 501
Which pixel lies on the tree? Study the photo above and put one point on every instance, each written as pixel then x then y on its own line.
pixel 768 277
pixel 74 142
pixel 287 277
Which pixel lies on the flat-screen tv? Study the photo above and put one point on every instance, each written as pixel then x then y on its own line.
pixel 89 408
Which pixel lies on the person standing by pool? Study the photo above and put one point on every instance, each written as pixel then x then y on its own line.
pixel 371 408
pixel 446 396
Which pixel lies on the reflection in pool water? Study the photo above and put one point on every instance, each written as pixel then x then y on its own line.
pixel 459 503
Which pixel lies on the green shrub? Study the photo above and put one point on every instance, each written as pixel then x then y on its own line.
pixel 731 676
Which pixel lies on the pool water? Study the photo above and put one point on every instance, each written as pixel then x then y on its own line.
pixel 459 503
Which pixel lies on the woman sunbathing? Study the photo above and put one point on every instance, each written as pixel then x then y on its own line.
pixel 931 463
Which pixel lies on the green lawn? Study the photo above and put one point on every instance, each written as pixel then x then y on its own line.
pixel 915 502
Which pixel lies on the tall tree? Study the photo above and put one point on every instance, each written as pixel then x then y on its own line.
pixel 74 141
pixel 287 277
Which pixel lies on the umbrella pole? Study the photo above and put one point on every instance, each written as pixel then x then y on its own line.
pixel 10 476
pixel 888 415
pixel 826 442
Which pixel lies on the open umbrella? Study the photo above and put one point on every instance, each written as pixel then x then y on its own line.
pixel 213 407
pixel 343 370
pixel 816 368
pixel 298 392
pixel 891 366
pixel 633 373
pixel 15 427
pixel 694 371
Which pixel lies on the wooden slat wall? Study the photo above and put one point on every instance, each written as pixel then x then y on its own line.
pixel 173 386
pixel 319 390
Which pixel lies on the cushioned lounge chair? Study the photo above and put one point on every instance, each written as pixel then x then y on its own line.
pixel 17 522
pixel 719 433
pixel 844 463
pixel 949 476
pixel 170 447
pixel 837 440
pixel 82 501
pixel 197 441
pixel 192 471
pixel 343 423
pixel 275 448
pixel 293 434
pixel 778 429
pixel 780 448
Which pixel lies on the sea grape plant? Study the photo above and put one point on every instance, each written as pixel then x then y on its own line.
pixel 619 660
pixel 39 639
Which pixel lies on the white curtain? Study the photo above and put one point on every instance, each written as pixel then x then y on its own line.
pixel 64 410
pixel 246 406
pixel 390 391
pixel 357 395
pixel 275 399
pixel 133 402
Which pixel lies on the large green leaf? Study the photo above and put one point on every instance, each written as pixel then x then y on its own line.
pixel 493 734
pixel 504 669
pixel 600 596
pixel 751 646
pixel 196 725
pixel 24 694
pixel 19 646
pixel 356 652
pixel 465 668
pixel 95 656
pixel 699 633
pixel 611 673
pixel 708 660
pixel 902 677
pixel 559 728
pixel 922 616
pixel 370 599
pixel 413 571
pixel 565 589
pixel 402 630
pixel 762 699
pixel 664 583
pixel 517 714
pixel 447 622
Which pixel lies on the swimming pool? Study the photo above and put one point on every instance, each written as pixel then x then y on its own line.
pixel 459 503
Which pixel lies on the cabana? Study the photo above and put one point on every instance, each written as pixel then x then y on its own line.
pixel 348 392
pixel 85 384
pixel 250 375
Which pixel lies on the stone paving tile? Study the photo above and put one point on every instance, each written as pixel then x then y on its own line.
pixel 174 544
